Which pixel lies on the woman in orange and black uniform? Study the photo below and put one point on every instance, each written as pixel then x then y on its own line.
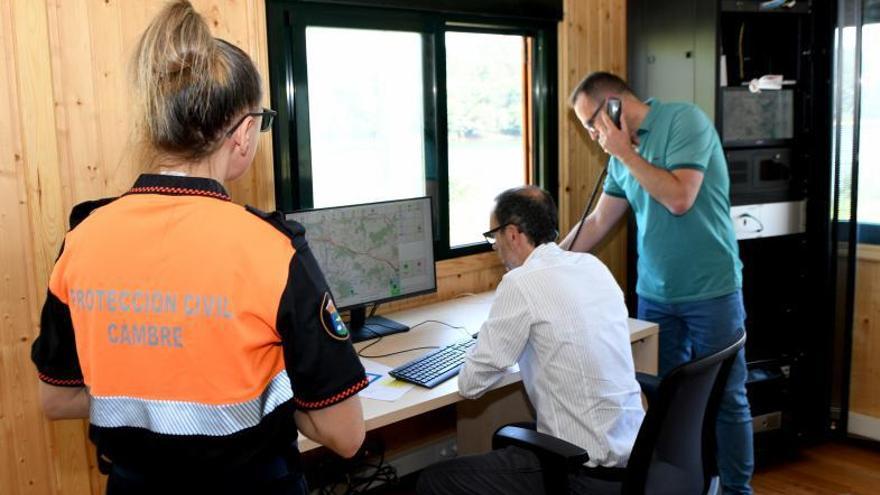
pixel 195 334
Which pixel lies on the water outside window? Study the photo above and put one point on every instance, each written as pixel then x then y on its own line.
pixel 486 115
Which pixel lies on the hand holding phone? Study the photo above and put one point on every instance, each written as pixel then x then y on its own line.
pixel 613 107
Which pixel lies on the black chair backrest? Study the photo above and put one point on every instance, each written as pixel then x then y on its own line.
pixel 672 455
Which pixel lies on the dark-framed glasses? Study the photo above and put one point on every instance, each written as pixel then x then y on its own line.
pixel 267 115
pixel 591 122
pixel 490 234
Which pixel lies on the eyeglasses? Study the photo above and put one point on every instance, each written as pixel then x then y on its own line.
pixel 266 117
pixel 490 234
pixel 590 125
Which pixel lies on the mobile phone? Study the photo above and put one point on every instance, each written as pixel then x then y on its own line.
pixel 613 106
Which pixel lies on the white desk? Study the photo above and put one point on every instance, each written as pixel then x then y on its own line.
pixel 476 419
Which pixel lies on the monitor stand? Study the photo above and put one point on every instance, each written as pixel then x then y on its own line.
pixel 363 328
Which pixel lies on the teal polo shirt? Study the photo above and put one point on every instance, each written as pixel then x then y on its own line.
pixel 694 256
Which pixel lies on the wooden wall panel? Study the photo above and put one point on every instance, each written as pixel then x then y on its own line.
pixel 592 37
pixel 865 374
pixel 36 452
pixel 65 138
pixel 457 277
pixel 92 44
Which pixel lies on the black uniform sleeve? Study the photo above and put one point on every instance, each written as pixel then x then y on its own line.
pixel 321 361
pixel 54 351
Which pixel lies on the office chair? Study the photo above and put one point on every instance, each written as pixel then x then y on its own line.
pixel 674 452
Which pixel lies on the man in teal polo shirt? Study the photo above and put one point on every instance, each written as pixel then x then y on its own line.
pixel 668 165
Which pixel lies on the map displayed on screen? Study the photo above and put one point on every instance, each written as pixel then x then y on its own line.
pixel 373 252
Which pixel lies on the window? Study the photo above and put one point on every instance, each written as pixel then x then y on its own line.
pixel 859 128
pixel 486 112
pixel 869 132
pixel 843 123
pixel 379 104
pixel 367 130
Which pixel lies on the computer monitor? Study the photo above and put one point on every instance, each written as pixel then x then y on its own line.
pixel 373 253
pixel 753 119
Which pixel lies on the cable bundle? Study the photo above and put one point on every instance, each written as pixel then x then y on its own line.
pixel 356 475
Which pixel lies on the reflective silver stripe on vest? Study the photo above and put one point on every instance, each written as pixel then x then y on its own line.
pixel 189 418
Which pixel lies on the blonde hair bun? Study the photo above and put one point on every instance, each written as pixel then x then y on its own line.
pixel 189 85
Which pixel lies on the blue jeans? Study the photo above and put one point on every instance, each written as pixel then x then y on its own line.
pixel 694 329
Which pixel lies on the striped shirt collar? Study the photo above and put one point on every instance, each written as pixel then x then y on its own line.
pixel 173 185
pixel 542 250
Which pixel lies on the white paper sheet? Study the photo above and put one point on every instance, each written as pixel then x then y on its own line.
pixel 382 385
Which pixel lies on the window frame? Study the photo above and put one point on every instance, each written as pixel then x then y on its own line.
pixel 866 232
pixel 288 81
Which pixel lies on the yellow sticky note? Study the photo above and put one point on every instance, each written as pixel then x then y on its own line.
pixel 394 382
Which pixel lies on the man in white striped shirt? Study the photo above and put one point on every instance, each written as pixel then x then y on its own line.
pixel 561 316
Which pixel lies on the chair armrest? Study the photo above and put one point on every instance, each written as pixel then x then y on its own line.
pixel 546 447
pixel 650 385
pixel 558 458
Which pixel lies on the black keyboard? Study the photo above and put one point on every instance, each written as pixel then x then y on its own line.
pixel 435 367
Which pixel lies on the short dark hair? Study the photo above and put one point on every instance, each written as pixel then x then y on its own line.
pixel 599 84
pixel 530 208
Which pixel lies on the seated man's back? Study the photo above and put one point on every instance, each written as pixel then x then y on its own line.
pixel 562 317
